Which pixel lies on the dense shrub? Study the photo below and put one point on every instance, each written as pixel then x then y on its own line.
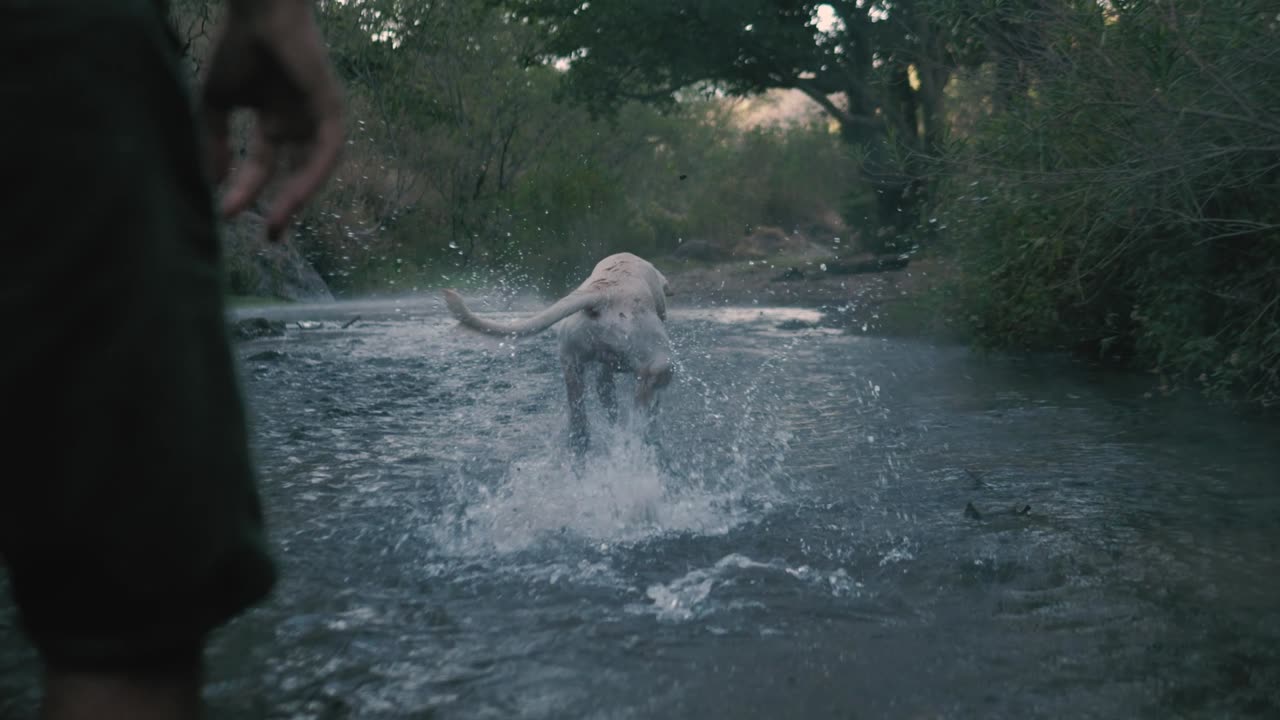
pixel 1121 192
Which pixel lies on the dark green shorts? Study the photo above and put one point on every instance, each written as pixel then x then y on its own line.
pixel 129 517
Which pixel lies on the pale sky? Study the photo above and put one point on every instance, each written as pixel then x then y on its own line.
pixel 826 18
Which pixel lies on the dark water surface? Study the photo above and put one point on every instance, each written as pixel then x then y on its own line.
pixel 798 546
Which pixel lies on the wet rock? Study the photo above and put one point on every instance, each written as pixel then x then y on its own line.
pixel 794 324
pixel 973 513
pixel 267 356
pixel 437 616
pixel 257 327
pixel 262 269
pixel 791 273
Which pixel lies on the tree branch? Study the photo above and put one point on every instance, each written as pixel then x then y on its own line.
pixel 840 114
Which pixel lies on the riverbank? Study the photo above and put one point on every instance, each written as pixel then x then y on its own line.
pixel 909 301
pixel 905 301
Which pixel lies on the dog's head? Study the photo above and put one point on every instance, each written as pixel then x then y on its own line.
pixel 662 282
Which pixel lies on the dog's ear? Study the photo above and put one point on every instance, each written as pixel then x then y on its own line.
pixel 666 286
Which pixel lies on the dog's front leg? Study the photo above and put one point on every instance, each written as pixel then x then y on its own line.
pixel 574 383
pixel 604 389
pixel 649 381
pixel 646 405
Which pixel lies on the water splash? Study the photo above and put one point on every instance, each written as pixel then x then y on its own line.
pixel 689 596
pixel 619 494
pixel 679 599
pixel 716 462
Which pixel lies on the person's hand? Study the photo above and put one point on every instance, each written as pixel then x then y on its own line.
pixel 270 59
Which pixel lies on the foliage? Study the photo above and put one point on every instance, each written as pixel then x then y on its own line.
pixel 1118 193
pixel 877 68
pixel 461 160
pixel 1103 173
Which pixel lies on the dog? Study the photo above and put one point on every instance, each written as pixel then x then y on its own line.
pixel 615 319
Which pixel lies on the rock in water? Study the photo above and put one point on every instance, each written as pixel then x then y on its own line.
pixel 256 327
pixel 262 269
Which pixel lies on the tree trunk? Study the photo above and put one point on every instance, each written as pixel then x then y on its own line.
pixel 896 199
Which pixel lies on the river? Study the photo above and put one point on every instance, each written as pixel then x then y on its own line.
pixel 830 525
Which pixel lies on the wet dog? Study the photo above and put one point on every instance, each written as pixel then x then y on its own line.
pixel 615 320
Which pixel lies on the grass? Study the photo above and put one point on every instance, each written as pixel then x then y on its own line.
pixel 923 313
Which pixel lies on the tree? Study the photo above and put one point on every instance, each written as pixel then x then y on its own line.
pixel 192 23
pixel 877 68
pixel 444 121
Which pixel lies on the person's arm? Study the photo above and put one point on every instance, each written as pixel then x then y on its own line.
pixel 271 59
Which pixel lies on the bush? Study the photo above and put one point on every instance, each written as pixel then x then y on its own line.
pixel 1120 197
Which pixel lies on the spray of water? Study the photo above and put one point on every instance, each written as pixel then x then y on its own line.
pixel 715 461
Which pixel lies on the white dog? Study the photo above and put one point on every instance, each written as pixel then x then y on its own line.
pixel 615 319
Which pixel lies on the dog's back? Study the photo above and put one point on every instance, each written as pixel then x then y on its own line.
pixel 630 280
pixel 626 328
pixel 621 282
pixel 616 319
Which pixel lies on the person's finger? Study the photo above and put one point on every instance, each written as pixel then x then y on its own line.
pixel 217 99
pixel 217 131
pixel 251 177
pixel 310 175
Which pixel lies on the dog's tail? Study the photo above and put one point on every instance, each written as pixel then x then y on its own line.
pixel 562 309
